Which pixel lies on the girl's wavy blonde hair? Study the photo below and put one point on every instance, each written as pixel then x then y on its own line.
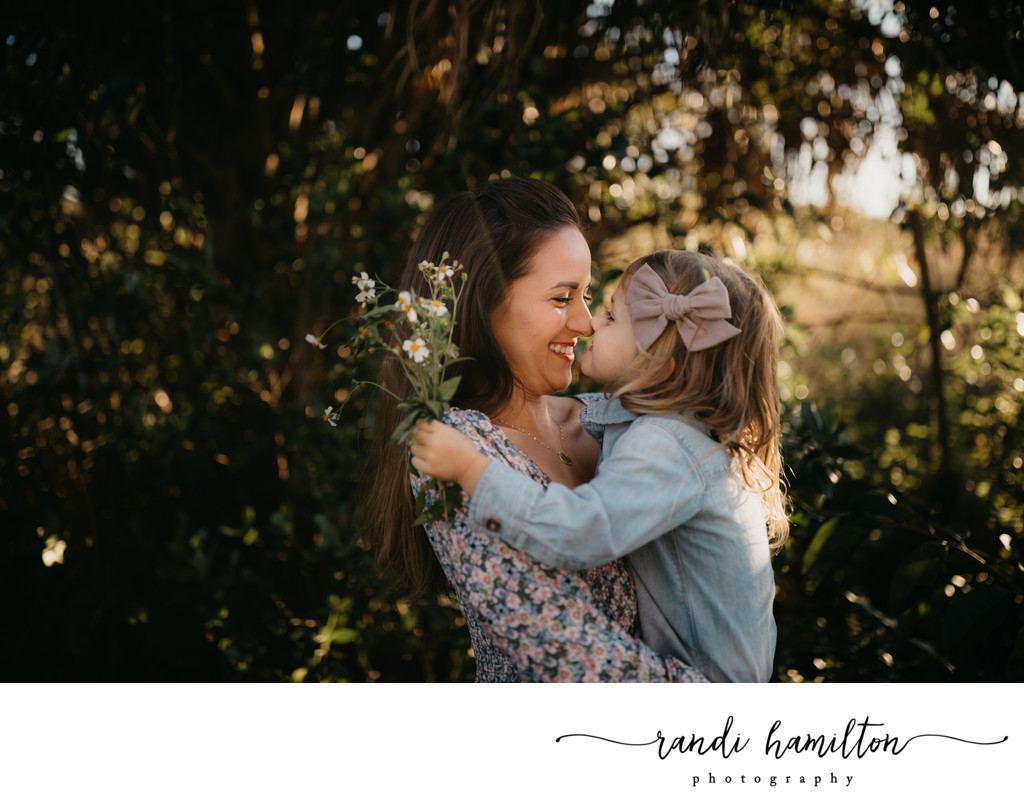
pixel 732 387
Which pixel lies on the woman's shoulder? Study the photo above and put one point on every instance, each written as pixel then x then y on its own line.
pixel 478 428
pixel 472 423
pixel 491 441
pixel 566 409
pixel 467 419
pixel 563 409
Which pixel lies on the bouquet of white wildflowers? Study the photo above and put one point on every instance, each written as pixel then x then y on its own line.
pixel 424 348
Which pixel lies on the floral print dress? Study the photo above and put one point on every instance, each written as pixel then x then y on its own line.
pixel 531 622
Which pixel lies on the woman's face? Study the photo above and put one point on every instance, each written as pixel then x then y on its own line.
pixel 545 312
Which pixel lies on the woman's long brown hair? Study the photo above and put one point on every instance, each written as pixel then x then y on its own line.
pixel 494 230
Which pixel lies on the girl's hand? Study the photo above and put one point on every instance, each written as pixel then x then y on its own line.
pixel 444 453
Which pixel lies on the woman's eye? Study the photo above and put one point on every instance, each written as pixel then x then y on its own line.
pixel 565 301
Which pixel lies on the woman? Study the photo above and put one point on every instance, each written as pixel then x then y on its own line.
pixel 522 309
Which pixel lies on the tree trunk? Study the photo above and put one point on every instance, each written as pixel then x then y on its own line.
pixel 931 305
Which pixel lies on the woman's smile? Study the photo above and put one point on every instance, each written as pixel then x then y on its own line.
pixel 564 349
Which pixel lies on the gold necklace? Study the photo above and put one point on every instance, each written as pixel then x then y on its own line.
pixel 561 454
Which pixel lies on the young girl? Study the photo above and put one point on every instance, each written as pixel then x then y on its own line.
pixel 688 488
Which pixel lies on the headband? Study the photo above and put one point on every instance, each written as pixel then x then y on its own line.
pixel 700 316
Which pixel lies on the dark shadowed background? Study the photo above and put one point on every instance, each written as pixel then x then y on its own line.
pixel 186 190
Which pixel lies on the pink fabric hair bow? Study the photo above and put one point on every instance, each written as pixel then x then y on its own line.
pixel 700 316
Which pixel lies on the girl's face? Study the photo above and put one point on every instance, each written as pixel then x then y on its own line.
pixel 614 345
pixel 545 312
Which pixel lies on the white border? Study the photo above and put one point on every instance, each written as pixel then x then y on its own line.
pixel 293 745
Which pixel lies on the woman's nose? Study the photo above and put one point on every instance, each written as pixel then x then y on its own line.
pixel 579 321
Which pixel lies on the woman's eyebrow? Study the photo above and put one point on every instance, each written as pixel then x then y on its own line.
pixel 570 284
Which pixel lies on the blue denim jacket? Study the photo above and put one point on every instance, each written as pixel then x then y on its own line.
pixel 668 498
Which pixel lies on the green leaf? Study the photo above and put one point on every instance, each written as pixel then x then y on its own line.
pixel 436 511
pixel 449 387
pixel 820 539
pixel 834 543
pixel 449 497
pixel 421 498
pixel 405 427
pixel 381 312
pixel 340 636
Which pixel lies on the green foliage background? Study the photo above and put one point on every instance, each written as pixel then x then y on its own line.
pixel 186 190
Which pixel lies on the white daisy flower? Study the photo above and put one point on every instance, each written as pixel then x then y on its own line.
pixel 416 349
pixel 314 341
pixel 405 304
pixel 434 308
pixel 331 417
pixel 366 286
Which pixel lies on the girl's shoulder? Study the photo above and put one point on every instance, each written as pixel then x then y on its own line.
pixel 678 430
pixel 682 422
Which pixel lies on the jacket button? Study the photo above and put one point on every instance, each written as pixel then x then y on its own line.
pixel 493 525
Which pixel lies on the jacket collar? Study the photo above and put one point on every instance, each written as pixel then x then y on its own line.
pixel 601 412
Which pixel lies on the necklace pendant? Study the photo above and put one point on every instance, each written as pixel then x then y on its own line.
pixel 565 458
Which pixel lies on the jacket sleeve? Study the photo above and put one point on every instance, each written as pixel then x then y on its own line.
pixel 648 485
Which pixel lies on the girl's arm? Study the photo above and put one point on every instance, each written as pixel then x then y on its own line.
pixel 543 617
pixel 444 453
pixel 646 487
